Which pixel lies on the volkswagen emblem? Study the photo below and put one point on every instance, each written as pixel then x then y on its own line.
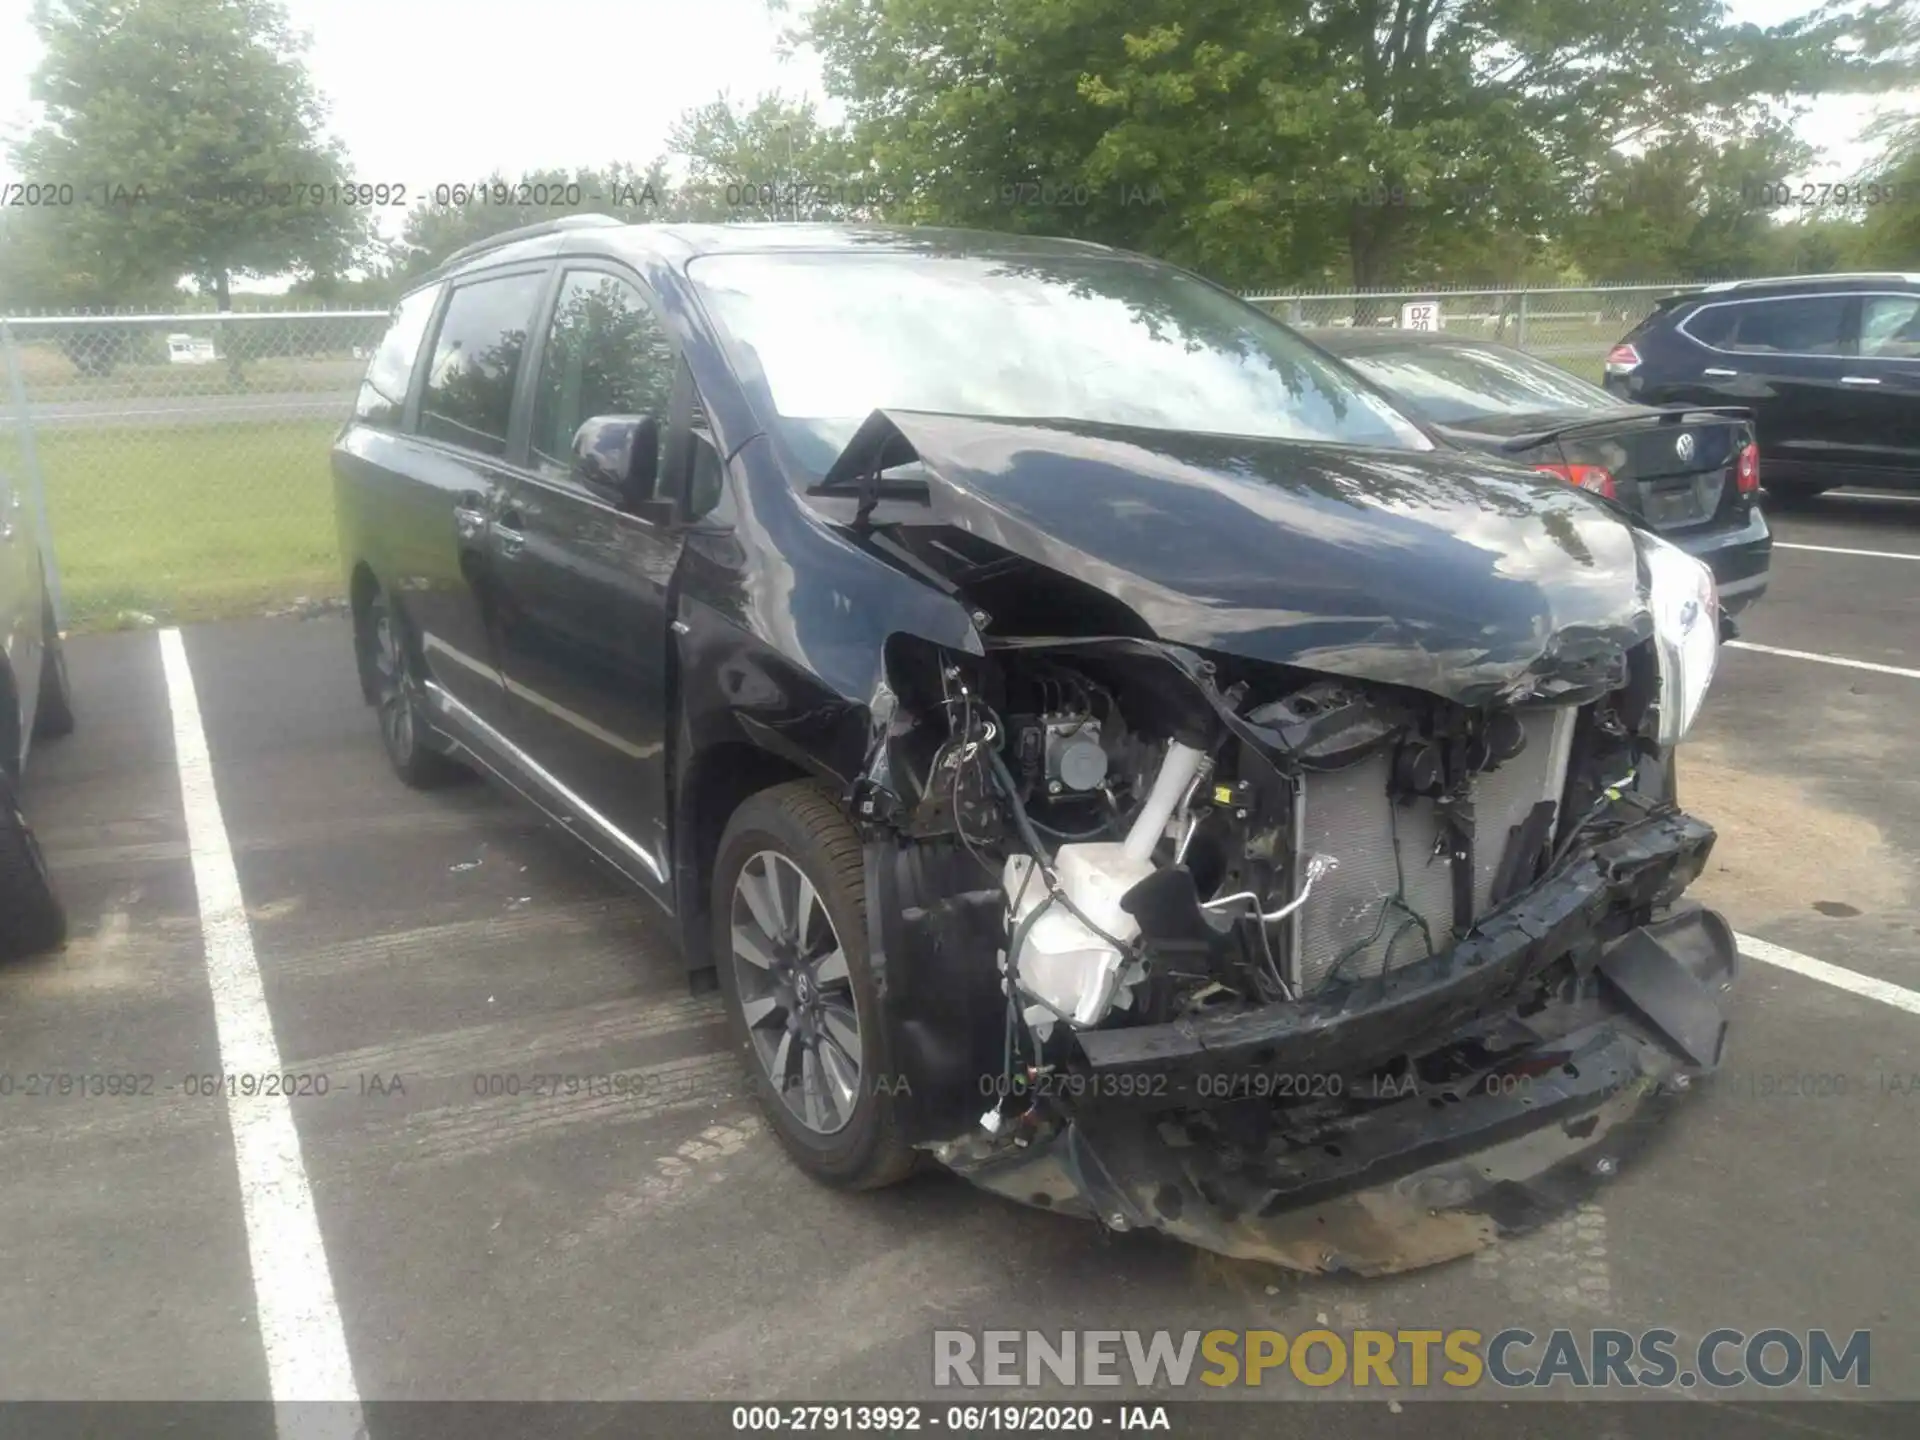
pixel 1683 447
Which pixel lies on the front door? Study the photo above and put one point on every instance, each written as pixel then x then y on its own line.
pixel 583 585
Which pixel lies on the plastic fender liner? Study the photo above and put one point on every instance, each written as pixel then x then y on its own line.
pixel 933 930
pixel 1669 972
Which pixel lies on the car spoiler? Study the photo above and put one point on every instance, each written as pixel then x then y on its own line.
pixel 1668 415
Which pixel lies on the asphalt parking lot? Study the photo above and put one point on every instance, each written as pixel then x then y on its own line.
pixel 655 1244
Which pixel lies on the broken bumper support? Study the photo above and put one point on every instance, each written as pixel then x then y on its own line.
pixel 1420 1172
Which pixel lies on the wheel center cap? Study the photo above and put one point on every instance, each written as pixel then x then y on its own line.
pixel 803 987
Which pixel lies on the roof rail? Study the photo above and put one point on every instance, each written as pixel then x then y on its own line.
pixel 1798 279
pixel 527 232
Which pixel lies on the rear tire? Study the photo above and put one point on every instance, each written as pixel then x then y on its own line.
pixel 386 660
pixel 31 917
pixel 54 715
pixel 790 936
pixel 1787 497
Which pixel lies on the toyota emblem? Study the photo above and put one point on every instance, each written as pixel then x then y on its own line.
pixel 1683 447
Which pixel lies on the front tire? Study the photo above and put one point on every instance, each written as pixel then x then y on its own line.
pixel 398 696
pixel 31 916
pixel 790 932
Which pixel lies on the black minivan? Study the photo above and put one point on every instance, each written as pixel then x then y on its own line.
pixel 1066 714
pixel 1828 364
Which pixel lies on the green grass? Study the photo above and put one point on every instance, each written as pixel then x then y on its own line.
pixel 51 378
pixel 190 522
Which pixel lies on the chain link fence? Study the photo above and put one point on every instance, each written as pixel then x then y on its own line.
pixel 180 462
pixel 1572 326
pixel 183 458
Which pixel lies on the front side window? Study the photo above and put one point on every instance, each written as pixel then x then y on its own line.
pixel 383 393
pixel 476 362
pixel 606 354
pixel 1890 327
pixel 1452 384
pixel 1804 325
pixel 1107 340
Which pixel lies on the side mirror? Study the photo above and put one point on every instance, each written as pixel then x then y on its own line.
pixel 618 456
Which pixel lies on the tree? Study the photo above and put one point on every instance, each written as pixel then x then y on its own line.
pixel 771 160
pixel 1888 237
pixel 1688 207
pixel 1295 140
pixel 376 289
pixel 193 140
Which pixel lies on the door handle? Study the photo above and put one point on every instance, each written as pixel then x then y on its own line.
pixel 1720 374
pixel 470 521
pixel 508 537
pixel 1859 380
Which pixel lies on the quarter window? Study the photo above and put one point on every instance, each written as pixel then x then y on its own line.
pixel 1890 326
pixel 476 361
pixel 383 393
pixel 606 354
pixel 1713 325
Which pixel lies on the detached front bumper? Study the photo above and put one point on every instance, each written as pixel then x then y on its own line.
pixel 1415 1118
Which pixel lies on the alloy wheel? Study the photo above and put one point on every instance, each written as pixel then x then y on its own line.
pixel 795 992
pixel 390 685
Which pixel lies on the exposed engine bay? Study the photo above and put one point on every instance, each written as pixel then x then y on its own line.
pixel 1172 841
pixel 1230 898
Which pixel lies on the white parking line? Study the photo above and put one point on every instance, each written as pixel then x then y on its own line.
pixel 306 1347
pixel 1818 659
pixel 1852 981
pixel 1841 550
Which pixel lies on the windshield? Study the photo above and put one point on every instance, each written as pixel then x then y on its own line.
pixel 1097 339
pixel 1455 383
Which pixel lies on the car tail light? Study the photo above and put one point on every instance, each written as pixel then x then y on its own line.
pixel 1622 360
pixel 1747 476
pixel 1596 478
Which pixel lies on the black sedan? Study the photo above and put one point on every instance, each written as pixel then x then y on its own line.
pixel 1691 472
pixel 1095 741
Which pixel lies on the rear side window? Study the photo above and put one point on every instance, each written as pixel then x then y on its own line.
pixel 383 393
pixel 476 362
pixel 1803 325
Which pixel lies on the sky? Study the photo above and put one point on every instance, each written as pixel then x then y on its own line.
pixel 426 92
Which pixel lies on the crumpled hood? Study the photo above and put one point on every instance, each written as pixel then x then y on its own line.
pixel 1453 574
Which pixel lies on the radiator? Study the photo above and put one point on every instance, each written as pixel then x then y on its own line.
pixel 1349 815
